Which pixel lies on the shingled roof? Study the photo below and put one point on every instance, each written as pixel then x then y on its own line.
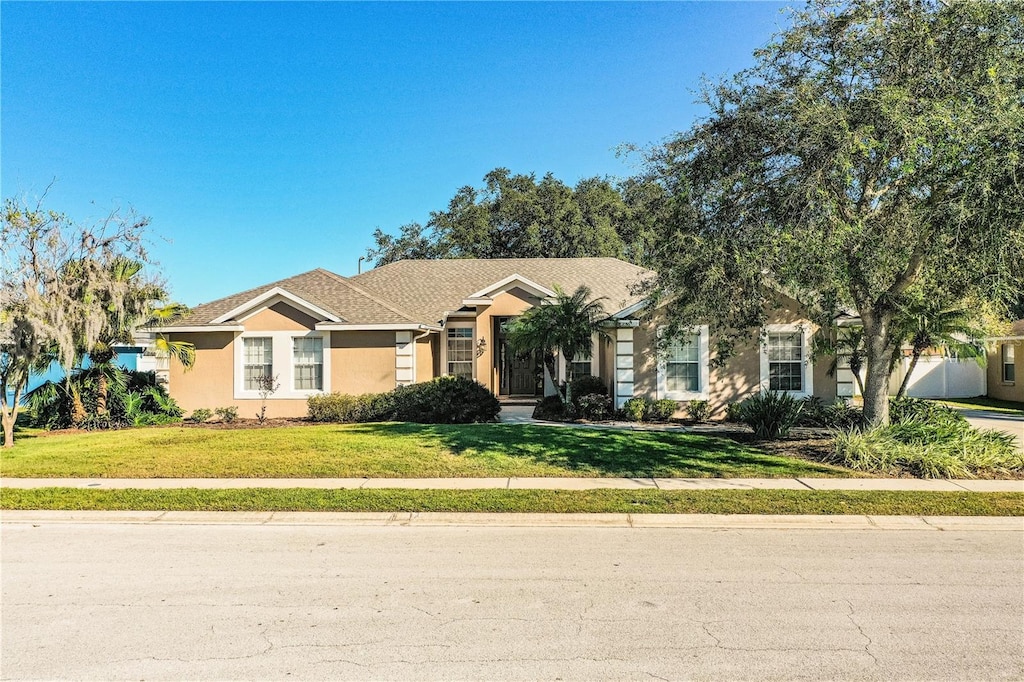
pixel 429 288
pixel 320 287
pixel 422 291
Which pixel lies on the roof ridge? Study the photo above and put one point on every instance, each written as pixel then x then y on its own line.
pixel 363 292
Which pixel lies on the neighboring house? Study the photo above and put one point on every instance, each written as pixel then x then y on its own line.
pixel 414 320
pixel 1005 358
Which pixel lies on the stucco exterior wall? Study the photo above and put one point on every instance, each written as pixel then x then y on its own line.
pixel 426 358
pixel 280 317
pixel 741 376
pixel 997 388
pixel 362 362
pixel 210 382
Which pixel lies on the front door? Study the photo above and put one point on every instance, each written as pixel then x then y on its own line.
pixel 522 375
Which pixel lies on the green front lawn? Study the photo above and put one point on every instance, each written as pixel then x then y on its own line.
pixel 915 503
pixel 394 451
pixel 983 403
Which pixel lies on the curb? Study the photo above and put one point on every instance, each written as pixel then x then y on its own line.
pixel 439 519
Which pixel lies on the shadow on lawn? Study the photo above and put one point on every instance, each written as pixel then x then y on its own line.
pixel 631 454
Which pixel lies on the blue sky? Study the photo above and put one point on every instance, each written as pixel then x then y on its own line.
pixel 266 139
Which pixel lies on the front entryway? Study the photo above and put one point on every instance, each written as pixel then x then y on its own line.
pixel 517 375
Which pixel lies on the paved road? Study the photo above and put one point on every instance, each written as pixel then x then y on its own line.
pixel 999 421
pixel 178 601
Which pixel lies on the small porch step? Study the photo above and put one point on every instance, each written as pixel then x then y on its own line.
pixel 512 401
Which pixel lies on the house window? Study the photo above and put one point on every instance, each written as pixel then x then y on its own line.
pixel 581 364
pixel 258 360
pixel 785 361
pixel 308 363
pixel 682 365
pixel 1009 366
pixel 460 352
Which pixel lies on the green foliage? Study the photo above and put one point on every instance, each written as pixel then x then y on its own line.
pixel 930 450
pixel 131 398
pixel 915 410
pixel 870 157
pixel 660 410
pixel 445 400
pixel 771 414
pixel 838 415
pixel 635 409
pixel 201 415
pixel 593 406
pixel 698 410
pixel 517 216
pixel 588 385
pixel 226 414
pixel 734 412
pixel 550 408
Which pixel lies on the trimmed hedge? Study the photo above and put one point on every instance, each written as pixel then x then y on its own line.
pixel 445 400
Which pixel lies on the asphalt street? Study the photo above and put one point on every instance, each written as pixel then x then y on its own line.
pixel 309 602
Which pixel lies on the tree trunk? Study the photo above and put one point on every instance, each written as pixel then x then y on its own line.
pixel 906 377
pixel 568 379
pixel 101 395
pixel 878 356
pixel 8 422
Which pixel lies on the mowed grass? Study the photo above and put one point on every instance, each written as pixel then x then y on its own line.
pixel 914 503
pixel 395 451
pixel 984 403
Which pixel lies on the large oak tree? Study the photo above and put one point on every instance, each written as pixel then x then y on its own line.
pixel 872 155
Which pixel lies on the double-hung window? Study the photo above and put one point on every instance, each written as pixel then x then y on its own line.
pixel 308 363
pixel 581 364
pixel 258 360
pixel 1009 364
pixel 786 361
pixel 682 365
pixel 460 352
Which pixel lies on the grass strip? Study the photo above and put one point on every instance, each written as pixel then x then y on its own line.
pixel 914 503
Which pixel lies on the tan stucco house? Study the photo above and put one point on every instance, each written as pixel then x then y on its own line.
pixel 414 320
pixel 1005 356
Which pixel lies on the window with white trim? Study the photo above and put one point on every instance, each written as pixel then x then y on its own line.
pixel 258 360
pixel 582 364
pixel 1009 364
pixel 460 351
pixel 308 363
pixel 786 361
pixel 682 365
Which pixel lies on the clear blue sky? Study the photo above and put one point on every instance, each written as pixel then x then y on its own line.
pixel 266 139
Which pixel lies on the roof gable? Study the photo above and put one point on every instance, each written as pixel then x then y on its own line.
pixel 270 297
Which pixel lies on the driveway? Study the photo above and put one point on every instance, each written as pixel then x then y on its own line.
pixel 1012 424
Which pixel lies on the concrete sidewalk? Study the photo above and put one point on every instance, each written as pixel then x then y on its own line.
pixel 527 483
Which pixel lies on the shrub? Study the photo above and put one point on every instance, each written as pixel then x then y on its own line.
pixel 905 410
pixel 594 406
pixel 698 410
pixel 333 407
pixel 734 412
pixel 227 414
pixel 446 400
pixel 660 410
pixel 201 415
pixel 635 409
pixel 771 414
pixel 952 450
pixel 550 408
pixel 838 415
pixel 587 385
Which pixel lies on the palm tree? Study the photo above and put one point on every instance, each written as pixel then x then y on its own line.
pixel 847 342
pixel 930 324
pixel 131 303
pixel 566 326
